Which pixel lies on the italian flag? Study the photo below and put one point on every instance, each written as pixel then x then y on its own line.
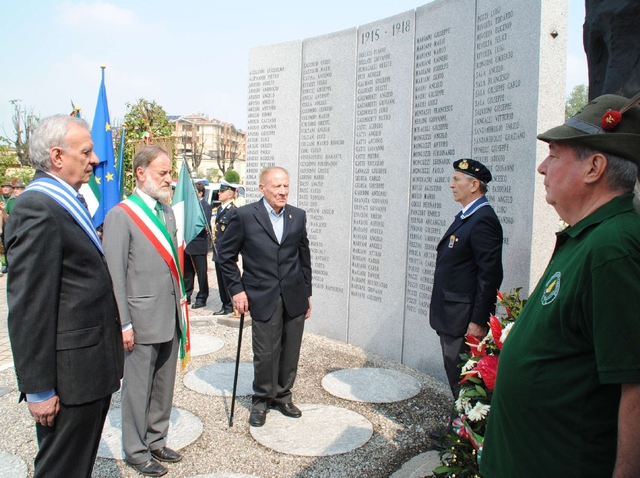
pixel 189 221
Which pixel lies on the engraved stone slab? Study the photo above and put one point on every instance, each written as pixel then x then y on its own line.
pixel 11 465
pixel 442 109
pixel 273 123
pixel 217 379
pixel 326 172
pixel 321 431
pixel 202 344
pixel 374 385
pixel 384 92
pixel 419 466
pixel 184 429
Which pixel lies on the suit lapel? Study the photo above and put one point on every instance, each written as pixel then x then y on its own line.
pixel 262 216
pixel 452 228
pixel 288 219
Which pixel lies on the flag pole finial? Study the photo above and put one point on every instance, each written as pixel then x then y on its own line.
pixel 103 66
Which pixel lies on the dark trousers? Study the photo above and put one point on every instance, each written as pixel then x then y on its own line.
pixel 147 394
pixel 452 347
pixel 225 298
pixel 276 350
pixel 70 446
pixel 196 264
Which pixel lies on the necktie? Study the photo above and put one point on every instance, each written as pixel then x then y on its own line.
pixel 83 201
pixel 159 213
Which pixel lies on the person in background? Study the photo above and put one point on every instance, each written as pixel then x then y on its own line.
pixel 195 262
pixel 275 286
pixel 225 195
pixel 468 270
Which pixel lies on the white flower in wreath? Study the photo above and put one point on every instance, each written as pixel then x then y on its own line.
pixel 463 404
pixel 487 338
pixel 478 412
pixel 505 331
pixel 469 365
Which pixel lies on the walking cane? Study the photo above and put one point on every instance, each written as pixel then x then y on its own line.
pixel 235 377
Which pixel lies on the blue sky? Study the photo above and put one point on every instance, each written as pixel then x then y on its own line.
pixel 190 55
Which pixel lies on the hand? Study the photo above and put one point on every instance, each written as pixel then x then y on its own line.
pixel 240 302
pixel 476 330
pixel 308 314
pixel 45 412
pixel 127 340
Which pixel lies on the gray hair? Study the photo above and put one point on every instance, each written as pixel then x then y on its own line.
pixel 144 157
pixel 266 171
pixel 50 133
pixel 621 173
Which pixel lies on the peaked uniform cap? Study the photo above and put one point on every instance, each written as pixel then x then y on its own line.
pixel 600 127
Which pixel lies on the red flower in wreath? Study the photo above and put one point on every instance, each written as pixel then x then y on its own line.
pixel 488 368
pixel 611 119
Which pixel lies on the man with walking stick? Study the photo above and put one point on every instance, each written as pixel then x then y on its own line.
pixel 275 286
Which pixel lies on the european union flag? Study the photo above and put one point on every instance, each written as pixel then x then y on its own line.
pixel 104 182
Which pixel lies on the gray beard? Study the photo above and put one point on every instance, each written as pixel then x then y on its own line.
pixel 154 191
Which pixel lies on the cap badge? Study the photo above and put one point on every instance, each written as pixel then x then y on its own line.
pixel 463 164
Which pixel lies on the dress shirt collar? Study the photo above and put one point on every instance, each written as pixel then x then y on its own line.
pixel 271 211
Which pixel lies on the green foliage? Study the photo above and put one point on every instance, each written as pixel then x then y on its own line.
pixel 232 176
pixel 576 100
pixel 144 119
pixel 9 161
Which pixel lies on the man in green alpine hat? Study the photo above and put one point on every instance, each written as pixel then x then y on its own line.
pixel 567 395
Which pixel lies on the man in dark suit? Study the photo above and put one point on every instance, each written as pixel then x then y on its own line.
pixel 63 318
pixel 148 292
pixel 195 261
pixel 275 286
pixel 468 268
pixel 225 195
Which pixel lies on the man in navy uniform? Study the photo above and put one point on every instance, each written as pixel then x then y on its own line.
pixel 225 195
pixel 468 269
pixel 196 256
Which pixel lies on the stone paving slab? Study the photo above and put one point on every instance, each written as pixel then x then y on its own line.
pixel 369 384
pixel 321 431
pixel 12 466
pixel 217 379
pixel 232 321
pixel 4 391
pixel 184 429
pixel 419 466
pixel 202 344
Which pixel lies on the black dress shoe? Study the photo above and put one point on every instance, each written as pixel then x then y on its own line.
pixel 220 312
pixel 288 409
pixel 257 418
pixel 435 434
pixel 166 454
pixel 149 468
pixel 198 305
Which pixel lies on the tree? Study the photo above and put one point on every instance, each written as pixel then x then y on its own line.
pixel 24 122
pixel 232 176
pixel 10 167
pixel 230 146
pixel 145 123
pixel 577 99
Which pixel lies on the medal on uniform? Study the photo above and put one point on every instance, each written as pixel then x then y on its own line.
pixel 452 241
pixel 222 228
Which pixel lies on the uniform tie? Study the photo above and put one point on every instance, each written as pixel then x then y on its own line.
pixel 159 213
pixel 83 201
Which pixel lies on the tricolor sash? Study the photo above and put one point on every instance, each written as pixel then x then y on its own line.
pixel 63 196
pixel 159 237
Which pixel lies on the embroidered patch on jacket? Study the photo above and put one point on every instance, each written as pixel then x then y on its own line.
pixel 551 289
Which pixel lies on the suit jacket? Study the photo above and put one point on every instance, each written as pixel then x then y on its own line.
pixel 468 272
pixel 148 296
pixel 63 320
pixel 199 245
pixel 220 227
pixel 270 269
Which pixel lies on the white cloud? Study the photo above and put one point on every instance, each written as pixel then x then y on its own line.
pixel 98 15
